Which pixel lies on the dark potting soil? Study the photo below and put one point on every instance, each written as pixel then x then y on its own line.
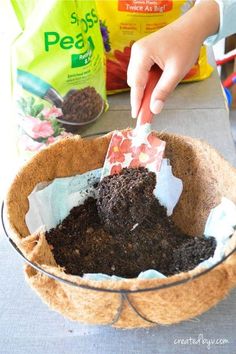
pixel 82 106
pixel 81 244
pixel 125 199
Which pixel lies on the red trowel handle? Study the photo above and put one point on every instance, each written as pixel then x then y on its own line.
pixel 145 115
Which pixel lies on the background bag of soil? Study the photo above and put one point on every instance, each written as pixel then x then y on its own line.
pixel 58 51
pixel 125 21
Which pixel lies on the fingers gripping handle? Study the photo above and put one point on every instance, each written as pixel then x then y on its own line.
pixel 145 115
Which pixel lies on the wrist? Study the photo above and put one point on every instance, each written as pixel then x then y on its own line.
pixel 207 14
pixel 202 21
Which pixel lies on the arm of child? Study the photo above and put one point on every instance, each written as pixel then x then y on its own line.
pixel 174 49
pixel 227 26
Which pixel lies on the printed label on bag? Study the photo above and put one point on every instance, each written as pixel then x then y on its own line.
pixel 145 6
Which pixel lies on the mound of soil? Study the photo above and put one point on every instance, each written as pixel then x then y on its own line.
pixel 125 199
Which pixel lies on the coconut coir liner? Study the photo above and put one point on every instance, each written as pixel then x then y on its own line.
pixel 206 178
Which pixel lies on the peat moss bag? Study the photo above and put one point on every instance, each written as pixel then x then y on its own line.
pixel 57 68
pixel 128 303
pixel 125 21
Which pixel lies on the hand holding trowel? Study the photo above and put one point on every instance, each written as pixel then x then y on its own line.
pixel 139 147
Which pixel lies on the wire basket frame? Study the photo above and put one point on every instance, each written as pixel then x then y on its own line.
pixel 124 293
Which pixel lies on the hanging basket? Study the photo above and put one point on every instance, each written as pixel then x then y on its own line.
pixel 131 303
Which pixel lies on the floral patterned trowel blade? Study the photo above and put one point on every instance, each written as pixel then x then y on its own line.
pixel 139 147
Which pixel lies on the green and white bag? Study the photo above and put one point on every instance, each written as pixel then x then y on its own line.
pixel 57 69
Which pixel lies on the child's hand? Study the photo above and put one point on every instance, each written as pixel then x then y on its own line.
pixel 175 49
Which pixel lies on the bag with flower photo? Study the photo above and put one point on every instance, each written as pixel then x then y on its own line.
pixel 57 70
